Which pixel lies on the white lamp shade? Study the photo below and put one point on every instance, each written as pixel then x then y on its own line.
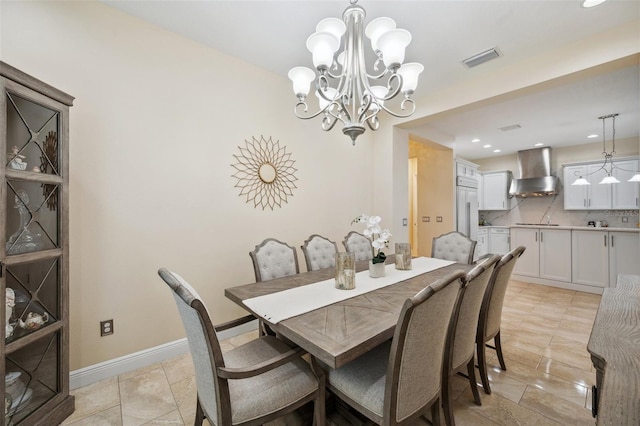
pixel 333 26
pixel 409 73
pixel 322 46
pixel 581 181
pixel 376 28
pixel 329 93
pixel 635 178
pixel 301 78
pixel 392 45
pixel 609 179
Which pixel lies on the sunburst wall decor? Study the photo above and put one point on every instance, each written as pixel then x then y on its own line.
pixel 264 172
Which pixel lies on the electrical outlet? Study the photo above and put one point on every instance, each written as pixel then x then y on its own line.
pixel 438 218
pixel 106 327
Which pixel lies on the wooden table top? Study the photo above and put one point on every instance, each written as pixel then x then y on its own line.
pixel 339 333
pixel 614 344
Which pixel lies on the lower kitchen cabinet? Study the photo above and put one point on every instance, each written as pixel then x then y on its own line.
pixel 624 255
pixel 499 241
pixel 482 244
pixel 547 254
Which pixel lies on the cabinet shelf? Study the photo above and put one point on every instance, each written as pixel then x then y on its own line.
pixel 33 177
pixel 15 343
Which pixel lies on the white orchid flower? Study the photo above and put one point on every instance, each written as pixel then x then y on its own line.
pixel 385 235
pixel 374 221
pixel 367 233
pixel 378 244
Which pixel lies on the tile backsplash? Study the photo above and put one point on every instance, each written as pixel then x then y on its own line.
pixel 551 210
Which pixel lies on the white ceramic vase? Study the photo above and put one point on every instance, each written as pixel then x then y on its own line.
pixel 376 270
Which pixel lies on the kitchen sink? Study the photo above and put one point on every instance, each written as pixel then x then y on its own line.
pixel 539 224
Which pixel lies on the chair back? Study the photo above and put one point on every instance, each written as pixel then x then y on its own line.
pixel 466 314
pixel 358 244
pixel 203 344
pixel 453 246
pixel 274 259
pixel 319 252
pixel 415 359
pixel 491 312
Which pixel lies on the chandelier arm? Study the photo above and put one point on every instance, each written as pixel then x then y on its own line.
pixel 307 117
pixel 327 123
pixel 400 114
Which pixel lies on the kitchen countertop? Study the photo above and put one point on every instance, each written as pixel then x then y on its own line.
pixel 569 227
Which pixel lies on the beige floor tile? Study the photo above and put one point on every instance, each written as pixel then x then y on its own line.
pixel 514 354
pixel 95 398
pixel 178 368
pixel 108 417
pixel 243 338
pixel 146 397
pixel 172 418
pixel 505 385
pixel 567 372
pixel 555 408
pixel 185 393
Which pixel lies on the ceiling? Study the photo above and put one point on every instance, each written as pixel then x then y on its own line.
pixel 272 35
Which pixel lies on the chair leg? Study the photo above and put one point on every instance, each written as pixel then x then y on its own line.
pixel 199 414
pixel 499 351
pixel 471 371
pixel 435 413
pixel 482 366
pixel 319 414
pixel 447 400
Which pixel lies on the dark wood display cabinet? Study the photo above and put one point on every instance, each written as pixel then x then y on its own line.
pixel 34 258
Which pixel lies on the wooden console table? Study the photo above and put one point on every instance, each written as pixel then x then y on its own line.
pixel 614 346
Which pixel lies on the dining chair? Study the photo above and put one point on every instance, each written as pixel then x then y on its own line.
pixel 273 259
pixel 491 313
pixel 453 246
pixel 251 384
pixel 397 381
pixel 460 347
pixel 319 252
pixel 358 244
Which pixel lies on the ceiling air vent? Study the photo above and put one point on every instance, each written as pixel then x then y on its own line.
pixel 481 58
pixel 512 127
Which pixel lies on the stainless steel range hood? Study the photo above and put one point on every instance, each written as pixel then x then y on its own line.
pixel 535 174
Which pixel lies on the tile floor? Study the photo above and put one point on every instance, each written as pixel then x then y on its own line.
pixel 548 379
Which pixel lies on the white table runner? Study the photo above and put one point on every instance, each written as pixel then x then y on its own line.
pixel 276 307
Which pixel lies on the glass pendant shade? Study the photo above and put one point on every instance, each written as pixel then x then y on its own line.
pixel 609 179
pixel 333 26
pixel 409 73
pixel 301 78
pixel 376 28
pixel 329 93
pixel 581 181
pixel 635 178
pixel 392 45
pixel 322 47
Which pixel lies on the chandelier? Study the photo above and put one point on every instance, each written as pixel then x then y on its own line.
pixel 608 165
pixel 346 92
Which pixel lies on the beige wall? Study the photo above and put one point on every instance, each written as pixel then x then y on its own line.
pixel 435 191
pixel 156 122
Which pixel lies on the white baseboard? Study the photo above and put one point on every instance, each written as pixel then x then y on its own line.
pixel 104 370
pixel 559 284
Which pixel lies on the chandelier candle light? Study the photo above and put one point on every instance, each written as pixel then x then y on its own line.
pixel 608 158
pixel 352 99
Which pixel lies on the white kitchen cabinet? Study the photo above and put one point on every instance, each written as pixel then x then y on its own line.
pixel 618 196
pixel 626 195
pixel 529 263
pixel 466 168
pixel 590 258
pixel 499 241
pixel 495 190
pixel 547 254
pixel 467 215
pixel 624 255
pixel 482 245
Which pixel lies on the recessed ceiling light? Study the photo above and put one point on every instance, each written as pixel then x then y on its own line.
pixel 592 136
pixel 475 140
pixel 496 150
pixel 591 3
pixel 539 144
pixel 487 146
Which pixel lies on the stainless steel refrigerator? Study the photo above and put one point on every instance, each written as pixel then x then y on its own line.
pixel 467 206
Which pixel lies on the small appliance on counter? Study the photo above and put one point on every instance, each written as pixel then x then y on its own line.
pixel 591 223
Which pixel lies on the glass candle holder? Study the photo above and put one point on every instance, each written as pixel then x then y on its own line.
pixel 403 256
pixel 345 271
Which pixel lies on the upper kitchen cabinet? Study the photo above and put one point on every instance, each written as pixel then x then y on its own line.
pixel 617 196
pixel 466 168
pixel 495 188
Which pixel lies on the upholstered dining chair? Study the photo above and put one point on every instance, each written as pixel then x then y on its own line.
pixel 491 313
pixel 453 246
pixel 273 259
pixel 460 347
pixel 358 244
pixel 251 384
pixel 396 382
pixel 319 252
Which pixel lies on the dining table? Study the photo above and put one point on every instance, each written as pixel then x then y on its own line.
pixel 341 331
